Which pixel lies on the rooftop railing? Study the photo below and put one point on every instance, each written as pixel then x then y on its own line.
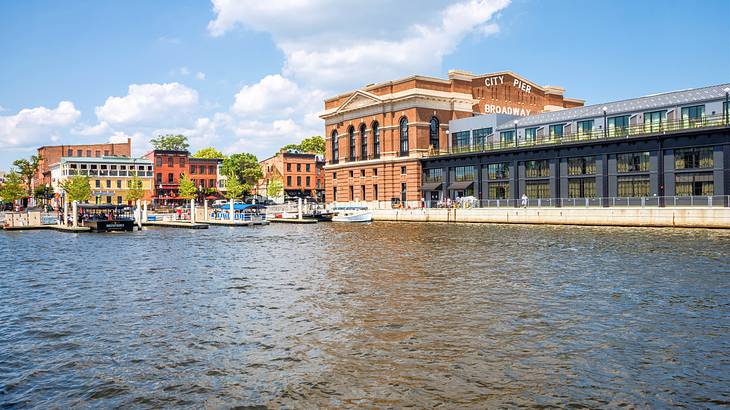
pixel 632 131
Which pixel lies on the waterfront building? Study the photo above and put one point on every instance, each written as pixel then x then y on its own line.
pixel 377 135
pixel 51 155
pixel 169 167
pixel 672 146
pixel 110 177
pixel 301 174
pixel 204 172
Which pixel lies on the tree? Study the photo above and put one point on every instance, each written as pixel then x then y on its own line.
pixel 187 189
pixel 209 153
pixel 275 188
pixel 27 170
pixel 313 144
pixel 244 168
pixel 12 190
pixel 170 142
pixel 135 191
pixel 234 189
pixel 77 188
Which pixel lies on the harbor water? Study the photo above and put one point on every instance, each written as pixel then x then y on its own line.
pixel 377 315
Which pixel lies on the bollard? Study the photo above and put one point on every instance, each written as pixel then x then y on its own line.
pixel 230 213
pixel 299 208
pixel 144 211
pixel 192 211
pixel 205 209
pixel 65 212
pixel 74 209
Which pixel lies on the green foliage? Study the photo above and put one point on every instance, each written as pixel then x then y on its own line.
pixel 187 189
pixel 77 188
pixel 275 188
pixel 209 153
pixel 135 190
pixel 244 168
pixel 40 192
pixel 12 189
pixel 313 145
pixel 234 189
pixel 170 142
pixel 27 170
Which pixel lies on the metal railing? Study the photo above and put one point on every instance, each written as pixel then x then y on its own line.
pixel 637 130
pixel 709 201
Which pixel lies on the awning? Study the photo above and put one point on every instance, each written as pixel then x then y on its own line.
pixel 431 186
pixel 458 186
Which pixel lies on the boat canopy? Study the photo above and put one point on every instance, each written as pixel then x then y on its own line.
pixel 104 207
pixel 241 207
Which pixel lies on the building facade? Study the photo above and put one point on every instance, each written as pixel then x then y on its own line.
pixel 301 174
pixel 51 155
pixel 169 167
pixel 110 177
pixel 376 136
pixel 204 172
pixel 666 147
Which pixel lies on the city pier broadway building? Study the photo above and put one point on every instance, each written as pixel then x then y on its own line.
pixel 376 136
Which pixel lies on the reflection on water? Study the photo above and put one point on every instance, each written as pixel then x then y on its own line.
pixel 385 315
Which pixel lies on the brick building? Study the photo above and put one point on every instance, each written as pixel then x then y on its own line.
pixel 204 172
pixel 376 135
pixel 302 174
pixel 51 155
pixel 169 166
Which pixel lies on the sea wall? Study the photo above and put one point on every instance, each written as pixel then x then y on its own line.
pixel 667 217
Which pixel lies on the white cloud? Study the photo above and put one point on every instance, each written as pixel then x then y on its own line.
pixel 32 126
pixel 150 104
pixel 92 130
pixel 184 71
pixel 274 94
pixel 200 75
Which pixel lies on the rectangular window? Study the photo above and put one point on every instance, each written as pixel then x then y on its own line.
pixel 170 161
pixel 375 192
pixel 158 161
pixel 192 169
pixel 693 116
pixel 70 153
pixel 692 158
pixel 462 174
pixel 211 183
pixel 362 172
pixel 537 189
pixel 694 184
pixel 299 181
pixel 98 183
pixel 334 193
pixel 498 190
pixel 403 192
pixel 108 199
pixel 618 126
pixel 119 183
pixel 88 153
pixel 170 178
pixel 556 131
pixel 480 137
pixel 433 175
pixel 307 167
pixel 498 171
pixel 288 180
pixel 334 175
pixel 119 200
pixel 306 182
pixel 106 152
pixel 507 137
pixel 582 166
pixel 460 140
pixel 299 167
pixel 79 153
pixel 582 188
pixel 654 121
pixel 182 161
pixel 584 128
pixel 108 183
pixel 633 186
pixel 375 171
pixel 362 192
pixel 202 169
pixel 352 193
pixel 351 174
pixel 211 170
pixel 633 162
pixel 158 178
pixel 97 154
pixel 531 134
pixel 537 169
pixel 402 170
pixel 288 167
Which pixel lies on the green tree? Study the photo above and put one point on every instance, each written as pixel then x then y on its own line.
pixel 313 144
pixel 13 189
pixel 77 188
pixel 187 189
pixel 209 153
pixel 234 189
pixel 244 168
pixel 275 188
pixel 135 189
pixel 27 170
pixel 170 142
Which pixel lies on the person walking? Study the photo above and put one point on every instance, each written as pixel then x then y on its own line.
pixel 524 200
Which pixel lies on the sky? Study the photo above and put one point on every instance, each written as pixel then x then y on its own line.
pixel 251 76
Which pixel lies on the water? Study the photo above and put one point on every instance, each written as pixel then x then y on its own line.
pixel 380 315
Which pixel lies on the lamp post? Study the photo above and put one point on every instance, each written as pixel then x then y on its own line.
pixel 727 104
pixel 448 141
pixel 516 133
pixel 605 122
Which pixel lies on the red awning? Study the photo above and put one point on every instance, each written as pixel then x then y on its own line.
pixel 211 197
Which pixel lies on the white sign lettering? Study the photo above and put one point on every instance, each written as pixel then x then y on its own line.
pixel 498 109
pixel 491 81
pixel 522 85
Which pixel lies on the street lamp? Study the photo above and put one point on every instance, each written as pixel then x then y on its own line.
pixel 605 122
pixel 448 140
pixel 726 108
pixel 516 133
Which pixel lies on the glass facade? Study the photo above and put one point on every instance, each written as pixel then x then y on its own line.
pixel 633 186
pixel 433 133
pixel 498 171
pixel 633 162
pixel 403 137
pixel 376 140
pixel 462 174
pixel 694 158
pixel 653 121
pixel 584 127
pixel 531 134
pixel 556 131
pixel 433 175
pixel 582 188
pixel 460 139
pixel 701 184
pixel 618 126
pixel 507 137
pixel 363 142
pixel 582 166
pixel 693 116
pixel 480 137
pixel 537 169
pixel 498 190
pixel 351 134
pixel 537 189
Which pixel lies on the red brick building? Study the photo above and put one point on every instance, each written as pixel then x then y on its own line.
pixel 302 174
pixel 376 135
pixel 204 172
pixel 169 166
pixel 51 155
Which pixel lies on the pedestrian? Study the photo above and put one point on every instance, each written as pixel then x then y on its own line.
pixel 524 200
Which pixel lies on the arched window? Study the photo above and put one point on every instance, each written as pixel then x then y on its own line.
pixel 433 134
pixel 335 147
pixel 376 140
pixel 351 134
pixel 404 137
pixel 363 143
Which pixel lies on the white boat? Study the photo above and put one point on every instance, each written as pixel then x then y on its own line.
pixel 352 214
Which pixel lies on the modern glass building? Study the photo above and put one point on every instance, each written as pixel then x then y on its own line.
pixel 650 150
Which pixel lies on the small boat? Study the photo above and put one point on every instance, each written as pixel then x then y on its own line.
pixel 320 215
pixel 107 218
pixel 352 214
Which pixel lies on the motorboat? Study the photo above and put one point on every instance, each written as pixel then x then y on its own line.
pixel 352 214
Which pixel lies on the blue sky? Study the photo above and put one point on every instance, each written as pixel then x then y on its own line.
pixel 250 76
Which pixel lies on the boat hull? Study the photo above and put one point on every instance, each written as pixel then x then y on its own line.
pixel 359 217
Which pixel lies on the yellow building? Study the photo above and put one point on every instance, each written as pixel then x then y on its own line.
pixel 110 177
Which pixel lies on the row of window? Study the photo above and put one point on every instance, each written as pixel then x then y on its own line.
pixel 299 167
pixel 307 182
pixel 170 161
pixel 363 197
pixel 80 153
pixel 211 169
pixel 375 129
pixel 119 184
pixel 110 167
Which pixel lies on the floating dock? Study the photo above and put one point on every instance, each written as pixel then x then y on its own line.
pixel 60 228
pixel 174 224
pixel 235 223
pixel 293 220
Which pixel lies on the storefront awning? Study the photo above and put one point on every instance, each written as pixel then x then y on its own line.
pixel 431 186
pixel 458 186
